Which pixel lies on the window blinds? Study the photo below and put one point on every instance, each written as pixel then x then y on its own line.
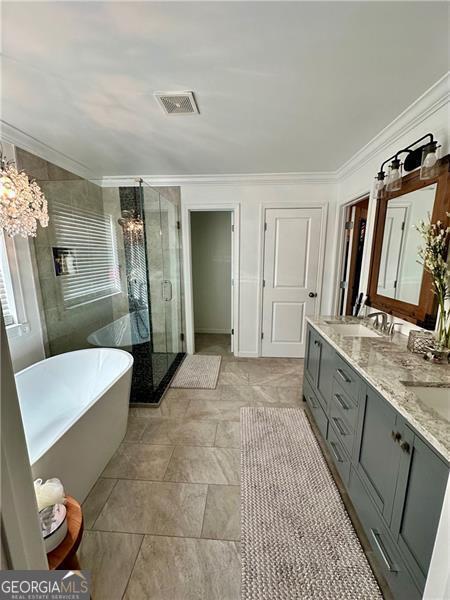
pixel 6 295
pixel 87 255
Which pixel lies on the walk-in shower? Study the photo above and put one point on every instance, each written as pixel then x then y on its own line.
pixel 152 327
pixel 108 272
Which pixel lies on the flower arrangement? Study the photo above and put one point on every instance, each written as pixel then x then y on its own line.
pixel 433 257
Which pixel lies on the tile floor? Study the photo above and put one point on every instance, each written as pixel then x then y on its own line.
pixel 163 520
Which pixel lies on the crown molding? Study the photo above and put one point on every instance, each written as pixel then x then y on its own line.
pixel 221 179
pixel 17 137
pixel 432 100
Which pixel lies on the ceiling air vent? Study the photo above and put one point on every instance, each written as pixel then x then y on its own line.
pixel 177 103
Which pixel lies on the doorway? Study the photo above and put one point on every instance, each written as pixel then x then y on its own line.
pixel 212 280
pixel 354 240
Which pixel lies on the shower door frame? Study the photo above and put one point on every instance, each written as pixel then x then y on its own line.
pixel 234 209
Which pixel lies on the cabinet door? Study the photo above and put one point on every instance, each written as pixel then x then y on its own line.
pixel 378 452
pixel 325 373
pixel 418 503
pixel 312 355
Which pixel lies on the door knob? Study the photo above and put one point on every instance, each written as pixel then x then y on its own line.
pixel 312 295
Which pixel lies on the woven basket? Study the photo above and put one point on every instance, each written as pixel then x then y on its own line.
pixel 421 341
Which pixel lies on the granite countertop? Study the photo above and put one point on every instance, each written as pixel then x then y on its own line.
pixel 386 363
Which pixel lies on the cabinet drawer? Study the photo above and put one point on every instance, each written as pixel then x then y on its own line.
pixel 344 406
pixel 316 410
pixel 340 457
pixel 342 430
pixel 388 556
pixel 348 379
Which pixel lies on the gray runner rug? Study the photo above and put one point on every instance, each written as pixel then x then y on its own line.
pixel 198 371
pixel 297 540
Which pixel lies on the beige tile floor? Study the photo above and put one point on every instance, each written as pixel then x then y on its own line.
pixel 163 520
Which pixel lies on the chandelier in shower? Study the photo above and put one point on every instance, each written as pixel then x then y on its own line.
pixel 22 203
pixel 132 225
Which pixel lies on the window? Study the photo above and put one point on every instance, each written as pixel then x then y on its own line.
pixel 6 288
pixel 85 255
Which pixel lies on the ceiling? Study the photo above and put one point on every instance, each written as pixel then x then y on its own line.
pixel 281 86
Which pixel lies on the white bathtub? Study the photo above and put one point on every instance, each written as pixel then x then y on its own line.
pixel 130 330
pixel 74 410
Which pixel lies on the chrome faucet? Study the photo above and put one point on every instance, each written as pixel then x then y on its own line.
pixel 390 329
pixel 380 320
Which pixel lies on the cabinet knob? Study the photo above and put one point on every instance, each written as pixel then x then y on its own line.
pixel 312 295
pixel 396 436
pixel 405 447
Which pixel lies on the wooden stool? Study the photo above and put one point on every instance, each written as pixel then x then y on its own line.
pixel 64 556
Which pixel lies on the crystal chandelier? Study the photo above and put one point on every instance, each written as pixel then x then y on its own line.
pixel 22 203
pixel 132 226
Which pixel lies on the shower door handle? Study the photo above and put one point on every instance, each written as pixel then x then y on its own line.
pixel 166 289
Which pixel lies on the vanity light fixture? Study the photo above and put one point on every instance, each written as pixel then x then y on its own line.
pixel 424 156
pixel 394 178
pixel 22 203
pixel 429 165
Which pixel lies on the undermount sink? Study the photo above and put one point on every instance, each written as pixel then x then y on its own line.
pixel 436 398
pixel 352 329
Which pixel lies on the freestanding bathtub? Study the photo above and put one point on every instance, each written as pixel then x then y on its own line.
pixel 74 410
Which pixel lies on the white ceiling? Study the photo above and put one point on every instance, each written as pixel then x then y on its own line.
pixel 281 86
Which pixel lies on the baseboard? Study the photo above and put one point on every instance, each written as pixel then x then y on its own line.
pixel 247 354
pixel 216 331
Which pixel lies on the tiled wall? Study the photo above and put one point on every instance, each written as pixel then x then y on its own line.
pixel 68 328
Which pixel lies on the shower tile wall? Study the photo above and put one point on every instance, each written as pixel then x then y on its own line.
pixel 155 259
pixel 66 329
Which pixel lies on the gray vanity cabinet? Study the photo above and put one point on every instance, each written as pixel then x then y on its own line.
pixel 378 450
pixel 395 480
pixel 312 355
pixel 325 373
pixel 418 503
pixel 319 365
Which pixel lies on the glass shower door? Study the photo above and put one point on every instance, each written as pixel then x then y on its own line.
pixel 171 291
pixel 160 216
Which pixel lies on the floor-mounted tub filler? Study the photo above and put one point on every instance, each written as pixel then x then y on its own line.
pixel 74 410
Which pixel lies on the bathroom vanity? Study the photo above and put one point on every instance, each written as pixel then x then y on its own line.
pixel 383 413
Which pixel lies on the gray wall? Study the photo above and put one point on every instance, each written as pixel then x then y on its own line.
pixel 211 271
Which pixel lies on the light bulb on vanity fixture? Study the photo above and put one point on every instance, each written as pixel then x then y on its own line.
pixel 429 166
pixel 394 178
pixel 379 184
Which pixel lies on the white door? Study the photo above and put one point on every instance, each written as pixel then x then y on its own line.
pixel 291 262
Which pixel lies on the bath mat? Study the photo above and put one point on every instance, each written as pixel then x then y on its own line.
pixel 198 371
pixel 297 540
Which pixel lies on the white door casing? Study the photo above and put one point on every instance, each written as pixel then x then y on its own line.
pixel 232 284
pixel 291 273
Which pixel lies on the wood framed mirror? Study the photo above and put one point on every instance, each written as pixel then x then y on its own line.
pixel 398 284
